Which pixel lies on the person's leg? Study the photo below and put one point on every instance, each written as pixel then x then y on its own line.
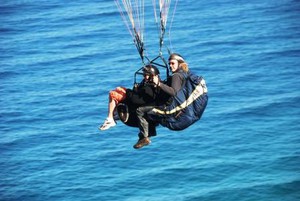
pixel 143 121
pixel 111 108
pixel 143 127
pixel 115 97
pixel 109 121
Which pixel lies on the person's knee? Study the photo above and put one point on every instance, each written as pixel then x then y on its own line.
pixel 117 96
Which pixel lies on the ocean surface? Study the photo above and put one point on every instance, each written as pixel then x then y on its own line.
pixel 59 60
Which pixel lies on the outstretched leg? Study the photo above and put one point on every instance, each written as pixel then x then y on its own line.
pixel 109 121
pixel 115 96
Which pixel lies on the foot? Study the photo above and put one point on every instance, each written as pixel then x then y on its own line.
pixel 142 142
pixel 107 124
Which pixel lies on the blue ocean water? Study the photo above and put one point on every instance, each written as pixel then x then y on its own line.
pixel 59 60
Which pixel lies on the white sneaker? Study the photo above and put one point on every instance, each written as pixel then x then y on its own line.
pixel 107 124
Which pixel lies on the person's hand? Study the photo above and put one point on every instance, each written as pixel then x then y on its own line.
pixel 156 80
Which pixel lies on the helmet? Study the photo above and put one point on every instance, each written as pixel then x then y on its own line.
pixel 150 70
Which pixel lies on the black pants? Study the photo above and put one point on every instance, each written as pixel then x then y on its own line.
pixel 147 127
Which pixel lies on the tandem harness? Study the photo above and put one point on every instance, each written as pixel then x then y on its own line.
pixel 186 107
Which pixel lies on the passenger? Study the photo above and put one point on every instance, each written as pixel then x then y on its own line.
pixel 144 95
pixel 170 88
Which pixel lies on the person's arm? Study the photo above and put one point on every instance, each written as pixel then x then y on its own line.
pixel 177 81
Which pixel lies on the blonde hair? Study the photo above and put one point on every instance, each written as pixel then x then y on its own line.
pixel 184 67
pixel 182 64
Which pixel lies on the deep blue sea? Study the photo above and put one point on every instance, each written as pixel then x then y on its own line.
pixel 59 60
